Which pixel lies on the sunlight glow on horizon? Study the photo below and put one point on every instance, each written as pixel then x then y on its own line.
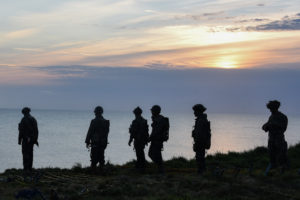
pixel 226 65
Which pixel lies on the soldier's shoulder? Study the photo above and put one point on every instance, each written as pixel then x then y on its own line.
pixel 141 119
pixel 144 120
pixel 33 118
pixel 106 121
pixel 162 117
pixel 282 115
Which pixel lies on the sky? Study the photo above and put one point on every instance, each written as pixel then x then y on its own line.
pixel 232 55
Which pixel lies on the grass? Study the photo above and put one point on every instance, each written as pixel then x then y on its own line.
pixel 179 182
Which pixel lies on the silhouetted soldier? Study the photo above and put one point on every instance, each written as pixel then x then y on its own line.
pixel 201 135
pixel 97 138
pixel 139 133
pixel 276 126
pixel 28 137
pixel 160 134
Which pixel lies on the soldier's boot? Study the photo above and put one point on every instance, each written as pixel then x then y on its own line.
pixel 201 167
pixel 282 169
pixel 161 169
pixel 93 167
pixel 143 167
pixel 268 169
pixel 101 167
pixel 201 170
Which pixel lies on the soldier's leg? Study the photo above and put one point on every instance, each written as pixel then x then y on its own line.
pixel 283 160
pixel 273 155
pixel 200 158
pixel 160 162
pixel 285 156
pixel 151 151
pixel 94 157
pixel 27 155
pixel 137 153
pixel 155 153
pixel 24 153
pixel 140 155
pixel 158 157
pixel 30 156
pixel 101 152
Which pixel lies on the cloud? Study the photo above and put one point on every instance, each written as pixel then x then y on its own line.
pixel 286 23
pixel 13 75
pixel 29 49
pixel 261 4
pixel 253 20
pixel 19 34
pixel 198 17
pixel 213 13
pixel 62 72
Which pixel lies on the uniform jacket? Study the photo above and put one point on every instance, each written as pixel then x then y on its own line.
pixel 276 125
pixel 160 128
pixel 139 130
pixel 98 131
pixel 201 129
pixel 28 129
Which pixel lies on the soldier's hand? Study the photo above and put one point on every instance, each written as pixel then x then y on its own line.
pixel 37 144
pixel 87 145
pixel 129 143
pixel 265 127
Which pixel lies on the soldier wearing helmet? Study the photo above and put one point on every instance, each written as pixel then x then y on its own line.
pixel 140 135
pixel 201 135
pixel 159 135
pixel 97 138
pixel 277 145
pixel 28 137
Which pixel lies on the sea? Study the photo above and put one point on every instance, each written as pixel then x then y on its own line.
pixel 62 135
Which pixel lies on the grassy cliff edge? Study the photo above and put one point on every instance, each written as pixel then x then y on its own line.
pixel 229 176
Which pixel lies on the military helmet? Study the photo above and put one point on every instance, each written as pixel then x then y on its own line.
pixel 156 109
pixel 98 110
pixel 273 104
pixel 199 107
pixel 26 110
pixel 137 111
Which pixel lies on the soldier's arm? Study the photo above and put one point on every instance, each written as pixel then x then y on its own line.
pixel 36 131
pixel 130 134
pixel 196 129
pixel 89 134
pixel 167 124
pixel 20 133
pixel 265 127
pixel 286 123
pixel 107 131
pixel 147 128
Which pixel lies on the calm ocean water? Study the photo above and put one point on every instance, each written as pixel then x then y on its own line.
pixel 62 135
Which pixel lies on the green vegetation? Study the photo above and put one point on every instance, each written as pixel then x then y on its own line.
pixel 179 182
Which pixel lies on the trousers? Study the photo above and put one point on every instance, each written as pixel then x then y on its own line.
pixel 27 151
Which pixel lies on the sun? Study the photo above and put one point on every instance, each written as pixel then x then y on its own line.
pixel 226 63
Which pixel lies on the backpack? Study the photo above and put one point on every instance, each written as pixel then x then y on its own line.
pixel 208 136
pixel 166 127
